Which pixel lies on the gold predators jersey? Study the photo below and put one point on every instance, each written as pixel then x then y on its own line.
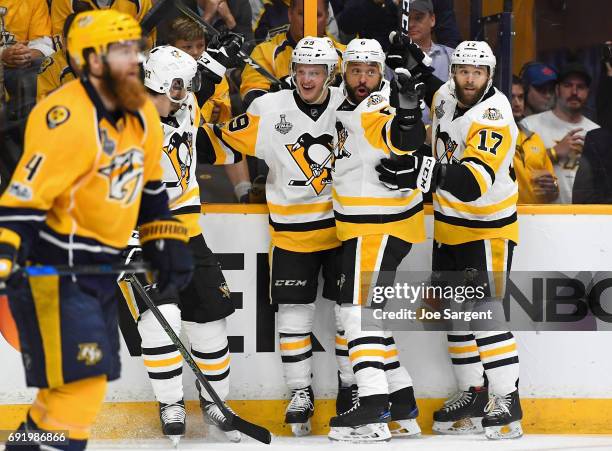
pixel 25 20
pixel 53 73
pixel 296 142
pixel 483 138
pixel 530 160
pixel 82 172
pixel 273 55
pixel 362 205
pixel 221 100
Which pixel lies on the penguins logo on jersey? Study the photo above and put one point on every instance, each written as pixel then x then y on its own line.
pixel 445 147
pixel 315 158
pixel 124 174
pixel 180 152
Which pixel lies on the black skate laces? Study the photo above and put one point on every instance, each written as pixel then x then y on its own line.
pixel 173 413
pixel 300 401
pixel 215 414
pixel 458 400
pixel 498 405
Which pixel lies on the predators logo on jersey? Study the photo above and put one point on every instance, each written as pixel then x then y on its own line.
pixel 124 174
pixel 179 151
pixel 315 158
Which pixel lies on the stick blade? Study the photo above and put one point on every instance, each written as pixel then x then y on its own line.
pixel 252 430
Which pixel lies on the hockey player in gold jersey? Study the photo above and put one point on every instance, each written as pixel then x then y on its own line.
pixel 293 132
pixel 90 173
pixel 172 77
pixel 475 230
pixel 377 228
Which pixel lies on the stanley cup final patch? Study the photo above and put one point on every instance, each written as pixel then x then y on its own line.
pixel 283 126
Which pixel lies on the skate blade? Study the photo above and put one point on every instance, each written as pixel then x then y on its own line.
pixel 175 439
pixel 404 428
pixel 460 427
pixel 375 432
pixel 506 432
pixel 301 429
pixel 233 436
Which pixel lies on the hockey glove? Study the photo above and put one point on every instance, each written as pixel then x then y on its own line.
pixel 405 53
pixel 283 83
pixel 407 91
pixel 9 245
pixel 224 48
pixel 413 171
pixel 164 246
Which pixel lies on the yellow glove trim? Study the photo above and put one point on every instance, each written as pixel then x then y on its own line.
pixel 158 230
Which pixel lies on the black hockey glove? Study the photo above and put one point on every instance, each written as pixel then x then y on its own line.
pixel 405 53
pixel 407 90
pixel 408 172
pixel 224 48
pixel 164 246
pixel 283 83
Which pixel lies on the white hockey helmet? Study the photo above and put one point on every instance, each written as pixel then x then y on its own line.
pixel 364 51
pixel 170 69
pixel 473 53
pixel 312 50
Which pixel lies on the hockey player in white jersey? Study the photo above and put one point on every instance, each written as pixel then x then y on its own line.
pixel 171 77
pixel 377 228
pixel 475 231
pixel 293 132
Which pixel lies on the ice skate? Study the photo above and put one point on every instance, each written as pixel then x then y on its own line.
pixel 214 417
pixel 172 417
pixel 364 422
pixel 403 418
pixel 462 413
pixel 503 416
pixel 299 411
pixel 346 398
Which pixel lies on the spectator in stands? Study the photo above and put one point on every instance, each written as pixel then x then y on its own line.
pixel 534 170
pixel 56 69
pixel 421 24
pixel 593 183
pixel 188 36
pixel 232 15
pixel 539 80
pixel 563 128
pixel 272 16
pixel 375 19
pixel 275 54
pixel 27 33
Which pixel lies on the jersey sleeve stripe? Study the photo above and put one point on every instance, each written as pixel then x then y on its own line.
pixel 484 165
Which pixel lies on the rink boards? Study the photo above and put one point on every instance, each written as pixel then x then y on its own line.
pixel 565 381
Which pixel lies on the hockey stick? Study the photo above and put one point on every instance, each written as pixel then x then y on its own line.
pixel 252 430
pixel 404 30
pixel 312 177
pixel 155 15
pixel 214 32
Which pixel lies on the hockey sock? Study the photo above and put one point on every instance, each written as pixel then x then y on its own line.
pixel 162 359
pixel 294 330
pixel 347 377
pixel 72 407
pixel 467 366
pixel 210 350
pixel 499 356
pixel 366 352
pixel 397 376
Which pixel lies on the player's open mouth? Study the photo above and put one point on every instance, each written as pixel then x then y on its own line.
pixel 361 91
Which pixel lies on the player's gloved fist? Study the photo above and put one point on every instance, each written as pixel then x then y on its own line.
pixel 211 69
pixel 164 246
pixel 413 171
pixel 410 90
pixel 405 53
pixel 9 245
pixel 283 83
pixel 224 48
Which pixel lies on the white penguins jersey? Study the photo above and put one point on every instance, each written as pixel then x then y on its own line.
pixel 179 162
pixel 482 138
pixel 295 140
pixel 362 205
